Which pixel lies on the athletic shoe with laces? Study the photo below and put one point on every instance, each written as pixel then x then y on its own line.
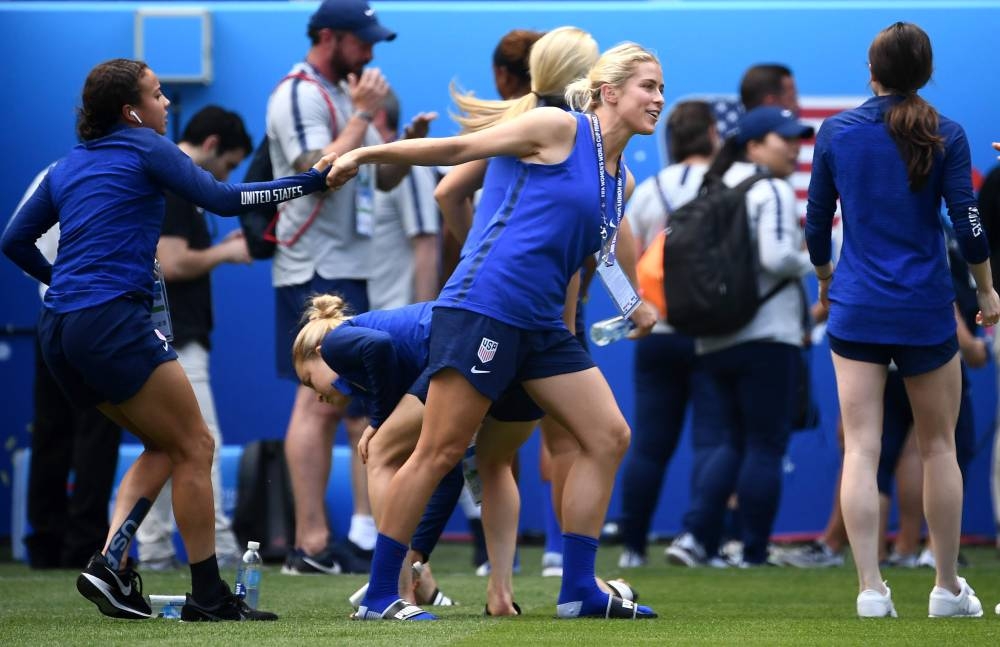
pixel 116 594
pixel 631 559
pixel 686 551
pixel 875 604
pixel 229 608
pixel 945 604
pixel 815 554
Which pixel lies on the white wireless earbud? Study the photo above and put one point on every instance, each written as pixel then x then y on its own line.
pixel 135 117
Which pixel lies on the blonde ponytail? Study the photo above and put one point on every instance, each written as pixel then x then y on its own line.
pixel 323 313
pixel 556 59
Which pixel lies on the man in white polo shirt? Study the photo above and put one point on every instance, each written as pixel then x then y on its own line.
pixel 325 104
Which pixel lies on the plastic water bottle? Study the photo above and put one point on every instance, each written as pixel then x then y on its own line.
pixel 610 330
pixel 248 575
pixel 470 470
pixel 166 606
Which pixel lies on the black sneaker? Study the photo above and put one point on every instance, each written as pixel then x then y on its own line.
pixel 229 608
pixel 332 560
pixel 116 594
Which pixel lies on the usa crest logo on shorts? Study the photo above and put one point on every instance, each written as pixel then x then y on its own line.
pixel 487 349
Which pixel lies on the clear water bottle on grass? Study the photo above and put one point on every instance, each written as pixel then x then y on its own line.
pixel 610 330
pixel 166 606
pixel 248 575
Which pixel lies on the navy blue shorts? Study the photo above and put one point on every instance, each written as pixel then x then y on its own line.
pixel 104 353
pixel 493 355
pixel 514 405
pixel 290 303
pixel 911 360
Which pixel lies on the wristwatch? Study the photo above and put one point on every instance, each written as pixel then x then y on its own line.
pixel 364 114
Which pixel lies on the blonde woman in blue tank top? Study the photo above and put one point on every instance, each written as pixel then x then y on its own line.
pixel 499 318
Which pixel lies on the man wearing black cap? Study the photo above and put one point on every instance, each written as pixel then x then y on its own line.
pixel 326 104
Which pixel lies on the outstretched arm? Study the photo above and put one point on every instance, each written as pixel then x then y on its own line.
pixel 543 135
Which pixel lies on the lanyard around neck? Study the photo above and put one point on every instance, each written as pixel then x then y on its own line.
pixel 609 230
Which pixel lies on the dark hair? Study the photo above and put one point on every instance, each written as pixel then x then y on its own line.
pixel 689 130
pixel 731 152
pixel 213 120
pixel 511 53
pixel 902 61
pixel 762 81
pixel 109 86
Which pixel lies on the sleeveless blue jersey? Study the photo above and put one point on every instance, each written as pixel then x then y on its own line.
pixel 547 224
pixel 379 354
pixel 497 183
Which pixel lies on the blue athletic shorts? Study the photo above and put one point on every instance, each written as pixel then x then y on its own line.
pixel 290 303
pixel 514 405
pixel 493 355
pixel 911 360
pixel 104 353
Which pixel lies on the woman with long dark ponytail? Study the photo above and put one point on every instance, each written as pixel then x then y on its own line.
pixel 891 161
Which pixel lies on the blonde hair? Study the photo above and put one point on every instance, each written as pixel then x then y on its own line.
pixel 614 68
pixel 323 313
pixel 556 59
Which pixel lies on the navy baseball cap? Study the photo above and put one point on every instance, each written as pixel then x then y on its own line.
pixel 757 123
pixel 354 16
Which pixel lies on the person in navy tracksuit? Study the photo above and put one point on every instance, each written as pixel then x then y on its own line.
pixel 891 161
pixel 499 319
pixel 96 331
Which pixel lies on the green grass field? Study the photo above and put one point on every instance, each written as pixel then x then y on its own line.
pixel 768 606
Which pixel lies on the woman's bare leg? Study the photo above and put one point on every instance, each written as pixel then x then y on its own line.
pixel 860 386
pixel 935 398
pixel 496 447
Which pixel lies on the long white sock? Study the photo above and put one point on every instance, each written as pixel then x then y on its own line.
pixel 363 532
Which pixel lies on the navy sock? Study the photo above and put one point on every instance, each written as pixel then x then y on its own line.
pixel 383 586
pixel 579 554
pixel 553 533
pixel 207 586
pixel 123 536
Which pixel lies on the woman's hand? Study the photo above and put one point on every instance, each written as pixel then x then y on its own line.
pixel 996 146
pixel 644 318
pixel 989 307
pixel 363 443
pixel 325 162
pixel 344 168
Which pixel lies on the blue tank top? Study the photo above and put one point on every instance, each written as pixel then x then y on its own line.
pixel 497 183
pixel 547 223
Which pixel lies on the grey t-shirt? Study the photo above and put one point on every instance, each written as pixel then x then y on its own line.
pixel 299 120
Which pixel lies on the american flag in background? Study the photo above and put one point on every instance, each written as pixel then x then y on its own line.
pixel 813 111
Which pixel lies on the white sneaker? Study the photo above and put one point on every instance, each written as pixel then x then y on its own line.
pixel 552 564
pixel 926 559
pixel 631 559
pixel 875 604
pixel 945 604
pixel 686 551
